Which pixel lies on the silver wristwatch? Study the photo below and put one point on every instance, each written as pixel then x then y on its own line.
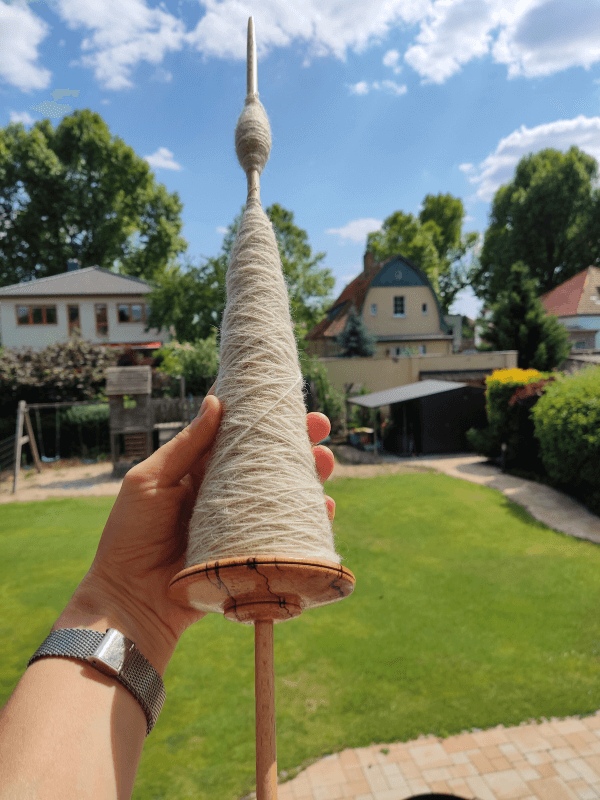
pixel 113 654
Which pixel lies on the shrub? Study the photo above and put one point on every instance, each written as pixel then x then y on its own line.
pixel 567 425
pixel 65 371
pixel 328 400
pixel 506 424
pixel 198 363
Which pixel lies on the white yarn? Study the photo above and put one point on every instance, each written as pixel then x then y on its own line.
pixel 261 495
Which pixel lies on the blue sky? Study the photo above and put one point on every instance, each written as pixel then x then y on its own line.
pixel 372 104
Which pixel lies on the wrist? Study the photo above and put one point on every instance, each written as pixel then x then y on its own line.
pixel 91 610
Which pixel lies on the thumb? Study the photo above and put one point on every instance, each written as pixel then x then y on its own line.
pixel 175 459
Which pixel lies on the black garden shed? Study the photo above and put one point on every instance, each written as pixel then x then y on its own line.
pixel 428 417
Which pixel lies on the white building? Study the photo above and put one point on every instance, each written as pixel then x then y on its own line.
pixel 108 309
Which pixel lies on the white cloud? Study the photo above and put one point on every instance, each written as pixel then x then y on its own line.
pixel 549 37
pixel 466 168
pixel 364 87
pixel 453 33
pixel 498 168
pixel 21 33
pixel 123 33
pixel 530 37
pixel 222 230
pixel 328 27
pixel 391 59
pixel 357 230
pixel 162 159
pixel 23 116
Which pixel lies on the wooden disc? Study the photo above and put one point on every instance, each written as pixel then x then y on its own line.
pixel 247 588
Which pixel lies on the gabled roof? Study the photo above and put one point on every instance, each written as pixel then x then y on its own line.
pixel 578 295
pixel 91 281
pixel 396 271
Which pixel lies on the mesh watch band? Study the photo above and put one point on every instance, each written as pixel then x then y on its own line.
pixel 115 655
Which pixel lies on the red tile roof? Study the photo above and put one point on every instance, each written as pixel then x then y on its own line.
pixel 564 300
pixel 580 295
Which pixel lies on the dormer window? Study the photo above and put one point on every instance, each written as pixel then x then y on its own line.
pixel 399 307
pixel 373 309
pixel 424 308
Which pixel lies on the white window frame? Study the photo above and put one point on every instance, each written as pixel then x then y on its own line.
pixel 373 309
pixel 403 298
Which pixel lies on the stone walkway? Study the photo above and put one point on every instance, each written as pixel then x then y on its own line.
pixel 555 760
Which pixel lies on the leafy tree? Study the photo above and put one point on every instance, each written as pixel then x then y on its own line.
pixel 355 339
pixel 78 192
pixel 434 242
pixel 546 216
pixel 193 302
pixel 198 363
pixel 519 322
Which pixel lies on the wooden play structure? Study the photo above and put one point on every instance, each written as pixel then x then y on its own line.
pixel 135 423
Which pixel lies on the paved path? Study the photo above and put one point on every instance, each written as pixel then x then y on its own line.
pixel 554 760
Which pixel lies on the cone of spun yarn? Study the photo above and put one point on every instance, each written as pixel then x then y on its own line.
pixel 261 495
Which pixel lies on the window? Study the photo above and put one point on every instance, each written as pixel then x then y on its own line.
pixel 373 309
pixel 580 346
pixel 131 312
pixel 101 319
pixel 36 315
pixel 73 317
pixel 399 306
pixel 424 308
pixel 422 348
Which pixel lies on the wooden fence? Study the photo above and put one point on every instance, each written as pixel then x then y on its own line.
pixel 169 409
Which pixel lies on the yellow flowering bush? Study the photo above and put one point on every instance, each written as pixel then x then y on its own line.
pixel 520 376
pixel 505 424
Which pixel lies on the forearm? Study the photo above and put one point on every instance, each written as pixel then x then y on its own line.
pixel 70 732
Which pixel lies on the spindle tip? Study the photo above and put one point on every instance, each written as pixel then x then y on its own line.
pixel 252 133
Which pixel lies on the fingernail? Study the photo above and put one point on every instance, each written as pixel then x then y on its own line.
pixel 203 408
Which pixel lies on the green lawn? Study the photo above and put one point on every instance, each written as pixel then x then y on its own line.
pixel 467 613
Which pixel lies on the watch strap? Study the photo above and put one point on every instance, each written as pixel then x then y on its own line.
pixel 114 655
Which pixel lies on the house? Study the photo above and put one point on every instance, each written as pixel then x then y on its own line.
pixel 106 307
pixel 576 303
pixel 398 306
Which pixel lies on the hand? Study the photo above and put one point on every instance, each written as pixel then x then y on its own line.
pixel 144 541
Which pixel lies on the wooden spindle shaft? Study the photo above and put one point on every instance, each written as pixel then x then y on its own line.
pixel 264 689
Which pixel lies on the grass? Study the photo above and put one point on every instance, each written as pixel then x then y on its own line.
pixel 467 613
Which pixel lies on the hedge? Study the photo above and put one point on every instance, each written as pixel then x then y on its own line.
pixel 567 425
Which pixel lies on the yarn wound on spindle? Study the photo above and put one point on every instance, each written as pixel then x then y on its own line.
pixel 261 494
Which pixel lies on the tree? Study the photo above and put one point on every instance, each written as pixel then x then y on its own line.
pixel 355 339
pixel 546 216
pixel 519 322
pixel 193 302
pixel 434 242
pixel 197 363
pixel 78 192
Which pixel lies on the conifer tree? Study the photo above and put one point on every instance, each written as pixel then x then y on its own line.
pixel 519 322
pixel 355 340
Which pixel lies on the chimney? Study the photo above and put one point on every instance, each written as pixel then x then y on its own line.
pixel 73 264
pixel 369 262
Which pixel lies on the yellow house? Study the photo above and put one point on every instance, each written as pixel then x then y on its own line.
pixel 398 306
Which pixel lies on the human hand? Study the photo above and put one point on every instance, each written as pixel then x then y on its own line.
pixel 144 541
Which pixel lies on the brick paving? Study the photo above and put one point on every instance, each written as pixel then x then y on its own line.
pixel 552 760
